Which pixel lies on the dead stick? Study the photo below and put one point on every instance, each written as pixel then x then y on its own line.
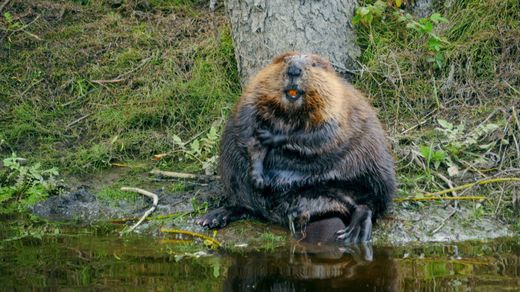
pixel 77 121
pixel 107 81
pixel 144 193
pixel 182 174
pixel 469 185
pixel 444 221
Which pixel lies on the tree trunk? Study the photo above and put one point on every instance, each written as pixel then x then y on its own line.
pixel 262 29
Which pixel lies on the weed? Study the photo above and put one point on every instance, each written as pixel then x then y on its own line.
pixel 23 186
pixel 203 150
pixel 270 241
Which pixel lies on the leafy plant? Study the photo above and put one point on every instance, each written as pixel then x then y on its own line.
pixel 435 157
pixel 11 23
pixel 368 14
pixel 202 150
pixel 457 141
pixel 458 146
pixel 23 186
pixel 425 26
pixel 365 15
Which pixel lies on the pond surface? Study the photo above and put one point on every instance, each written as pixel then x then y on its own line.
pixel 91 259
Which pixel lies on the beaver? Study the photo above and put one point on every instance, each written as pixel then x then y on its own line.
pixel 303 145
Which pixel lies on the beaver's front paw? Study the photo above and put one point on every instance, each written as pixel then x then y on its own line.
pixel 257 179
pixel 269 139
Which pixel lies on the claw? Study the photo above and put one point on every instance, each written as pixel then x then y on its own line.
pixel 291 224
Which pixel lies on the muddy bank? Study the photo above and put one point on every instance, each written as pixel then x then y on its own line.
pixel 406 223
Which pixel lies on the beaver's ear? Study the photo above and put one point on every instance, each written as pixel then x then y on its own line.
pixel 318 61
pixel 281 58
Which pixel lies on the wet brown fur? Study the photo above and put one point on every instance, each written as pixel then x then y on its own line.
pixel 350 169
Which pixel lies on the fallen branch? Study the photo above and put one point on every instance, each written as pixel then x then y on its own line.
pixel 107 81
pixel 433 198
pixel 211 240
pixel 469 185
pixel 144 193
pixel 436 195
pixel 182 175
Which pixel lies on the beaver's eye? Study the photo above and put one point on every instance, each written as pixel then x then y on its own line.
pixel 314 65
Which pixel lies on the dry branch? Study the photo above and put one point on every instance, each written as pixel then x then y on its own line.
pixel 436 195
pixel 182 175
pixel 154 197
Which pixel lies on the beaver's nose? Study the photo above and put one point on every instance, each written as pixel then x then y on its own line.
pixel 294 70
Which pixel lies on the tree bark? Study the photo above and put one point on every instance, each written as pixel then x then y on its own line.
pixel 262 29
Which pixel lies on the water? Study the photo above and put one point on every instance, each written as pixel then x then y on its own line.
pixel 89 259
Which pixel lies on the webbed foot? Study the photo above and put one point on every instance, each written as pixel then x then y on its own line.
pixel 360 227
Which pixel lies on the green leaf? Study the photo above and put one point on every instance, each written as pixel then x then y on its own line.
pixel 363 11
pixel 427 27
pixel 356 19
pixel 216 270
pixel 434 44
pixel 195 146
pixel 425 151
pixel 445 124
pixel 398 3
pixel 436 18
pixel 177 140
pixel 8 17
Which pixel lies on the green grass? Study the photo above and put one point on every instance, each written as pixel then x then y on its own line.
pixel 103 85
pixel 479 83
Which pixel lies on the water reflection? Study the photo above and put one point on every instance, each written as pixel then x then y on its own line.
pixel 110 262
pixel 317 268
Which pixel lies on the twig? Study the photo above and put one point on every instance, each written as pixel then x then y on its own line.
pixel 214 242
pixel 447 181
pixel 515 116
pixel 182 175
pixel 4 4
pixel 78 120
pixel 444 222
pixel 107 81
pixel 144 193
pixel 428 116
pixel 469 185
pixel 499 200
pixel 435 195
pixel 121 77
pixel 465 198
